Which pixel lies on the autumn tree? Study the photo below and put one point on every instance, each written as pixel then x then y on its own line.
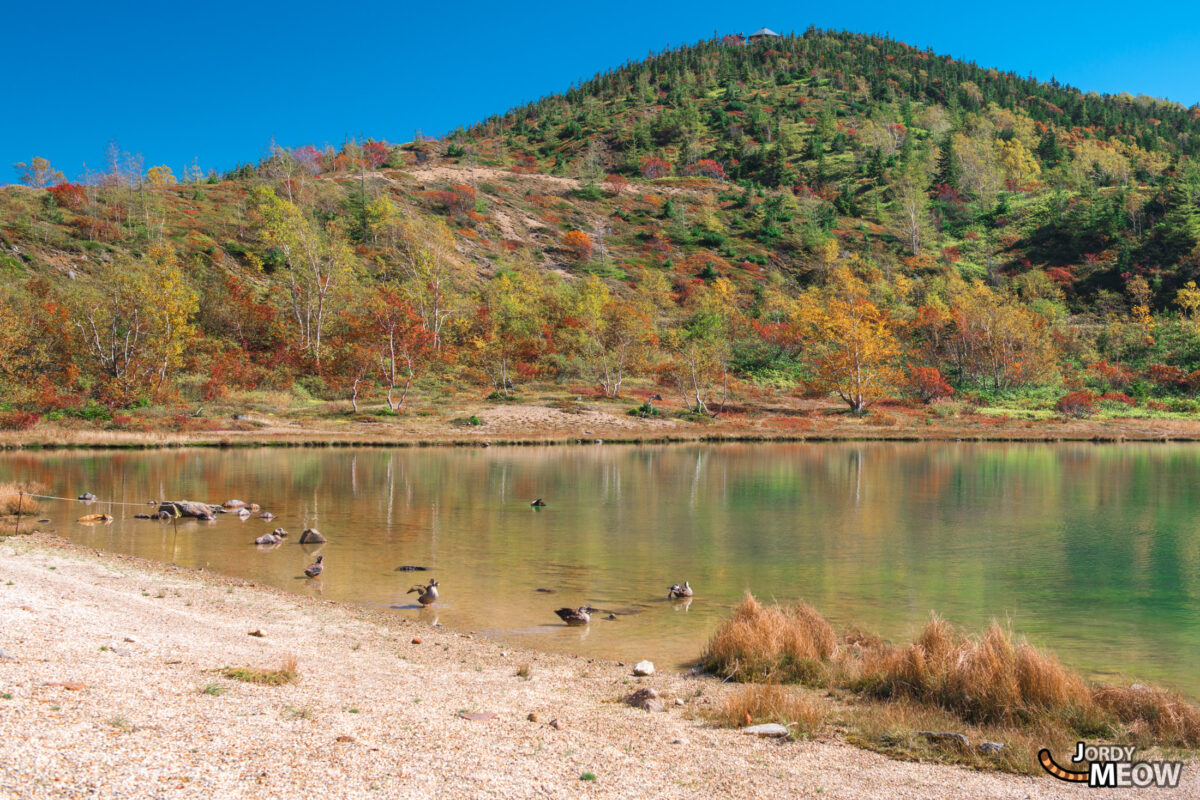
pixel 134 321
pixel 700 344
pixel 615 333
pixel 578 244
pixel 1188 299
pixel 506 334
pixel 850 342
pixel 38 173
pixel 434 276
pixel 996 340
pixel 979 171
pixel 318 265
pixel 912 203
pixel 160 176
pixel 399 341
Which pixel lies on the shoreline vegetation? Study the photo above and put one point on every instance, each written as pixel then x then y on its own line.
pixel 946 696
pixel 320 670
pixel 576 416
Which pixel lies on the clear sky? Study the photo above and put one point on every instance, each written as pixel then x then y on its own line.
pixel 217 81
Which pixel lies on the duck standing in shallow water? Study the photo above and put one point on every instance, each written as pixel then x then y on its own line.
pixel 425 594
pixel 574 616
pixel 677 591
pixel 314 569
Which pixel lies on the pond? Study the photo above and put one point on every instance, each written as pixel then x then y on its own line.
pixel 1091 550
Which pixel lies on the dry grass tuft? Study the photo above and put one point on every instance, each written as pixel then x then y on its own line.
pixel 1152 714
pixel 992 687
pixel 991 678
pixel 10 497
pixel 771 643
pixel 286 673
pixel 756 703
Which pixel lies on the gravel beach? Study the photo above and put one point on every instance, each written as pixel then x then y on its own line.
pixel 111 686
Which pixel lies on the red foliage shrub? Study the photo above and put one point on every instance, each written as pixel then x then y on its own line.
pixel 705 168
pixel 376 153
pixel 1154 405
pixel 458 199
pixel 616 183
pixel 69 195
pixel 1167 376
pixel 1118 397
pixel 97 230
pixel 1077 404
pixel 928 384
pixel 1110 374
pixel 18 420
pixel 653 167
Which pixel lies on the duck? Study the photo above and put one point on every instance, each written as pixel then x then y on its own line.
pixel 539 503
pixel 425 594
pixel 574 616
pixel 268 538
pixel 314 569
pixel 677 591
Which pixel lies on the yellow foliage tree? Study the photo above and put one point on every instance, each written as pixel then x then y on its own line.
pixel 134 320
pixel 849 341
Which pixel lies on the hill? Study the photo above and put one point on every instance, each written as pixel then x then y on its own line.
pixel 820 216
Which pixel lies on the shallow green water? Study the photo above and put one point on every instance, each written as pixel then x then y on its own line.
pixel 1093 550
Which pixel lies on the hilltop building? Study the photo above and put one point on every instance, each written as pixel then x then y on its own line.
pixel 762 33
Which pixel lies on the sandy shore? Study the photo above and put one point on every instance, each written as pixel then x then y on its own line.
pixel 100 696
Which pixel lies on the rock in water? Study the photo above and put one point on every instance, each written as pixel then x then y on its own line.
pixel 643 668
pixel 311 536
pixel 233 505
pixel 186 508
pixel 767 729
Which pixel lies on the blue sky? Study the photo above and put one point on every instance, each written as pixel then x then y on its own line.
pixel 217 81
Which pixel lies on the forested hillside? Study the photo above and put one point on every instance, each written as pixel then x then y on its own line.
pixel 826 215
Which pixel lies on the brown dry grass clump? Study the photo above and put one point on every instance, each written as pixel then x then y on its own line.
pixel 10 497
pixel 1151 714
pixel 771 643
pixel 990 678
pixel 286 673
pixel 756 703
pixel 992 685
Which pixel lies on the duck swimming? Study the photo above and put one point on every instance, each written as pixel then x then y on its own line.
pixel 677 591
pixel 574 616
pixel 314 569
pixel 539 503
pixel 425 594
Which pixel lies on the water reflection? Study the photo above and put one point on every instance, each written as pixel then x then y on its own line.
pixel 1092 549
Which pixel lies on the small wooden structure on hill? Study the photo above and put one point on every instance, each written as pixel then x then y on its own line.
pixel 762 33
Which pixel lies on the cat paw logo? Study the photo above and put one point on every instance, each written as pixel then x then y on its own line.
pixel 1114 767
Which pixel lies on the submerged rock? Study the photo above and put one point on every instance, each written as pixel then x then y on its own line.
pixel 186 508
pixel 312 536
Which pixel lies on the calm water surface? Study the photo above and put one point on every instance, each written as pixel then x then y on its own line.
pixel 1093 550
